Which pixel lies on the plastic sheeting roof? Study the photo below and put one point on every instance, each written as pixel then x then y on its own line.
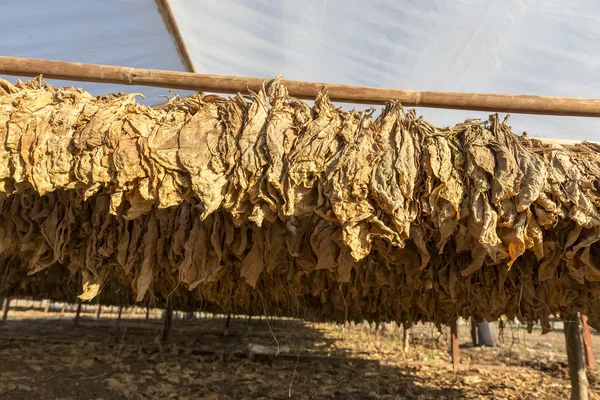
pixel 543 47
pixel 114 32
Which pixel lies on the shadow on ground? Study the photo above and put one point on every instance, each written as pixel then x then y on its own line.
pixel 49 359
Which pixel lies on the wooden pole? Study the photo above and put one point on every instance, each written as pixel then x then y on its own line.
pixel 226 330
pixel 474 332
pixel 510 103
pixel 454 343
pixel 171 23
pixel 590 361
pixel 5 308
pixel 78 312
pixel 405 338
pixel 577 375
pixel 168 322
pixel 119 314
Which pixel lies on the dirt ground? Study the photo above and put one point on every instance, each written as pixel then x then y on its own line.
pixel 46 356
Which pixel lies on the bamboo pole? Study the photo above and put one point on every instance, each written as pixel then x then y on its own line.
pixel 454 343
pixel 165 11
pixel 577 375
pixel 78 313
pixel 405 338
pixel 590 362
pixel 511 103
pixel 474 335
pixel 226 330
pixel 5 308
pixel 570 144
pixel 168 324
pixel 119 314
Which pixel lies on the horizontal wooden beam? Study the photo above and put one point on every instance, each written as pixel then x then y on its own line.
pixel 563 143
pixel 510 103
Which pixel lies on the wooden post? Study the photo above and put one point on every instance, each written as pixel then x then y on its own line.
pixel 473 332
pixel 171 23
pixel 226 330
pixel 5 308
pixel 78 312
pixel 590 362
pixel 577 374
pixel 147 313
pixel 168 322
pixel 98 311
pixel 119 314
pixel 454 343
pixel 508 103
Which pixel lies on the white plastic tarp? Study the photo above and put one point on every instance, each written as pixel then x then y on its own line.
pixel 542 47
pixel 115 32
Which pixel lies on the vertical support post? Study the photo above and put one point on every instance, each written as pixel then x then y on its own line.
pixel 590 362
pixel 250 317
pixel 168 322
pixel 78 312
pixel 226 330
pixel 454 343
pixel 473 332
pixel 5 308
pixel 98 311
pixel 577 375
pixel 119 314
pixel 147 313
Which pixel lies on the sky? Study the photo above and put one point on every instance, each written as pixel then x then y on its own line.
pixel 113 32
pixel 540 47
